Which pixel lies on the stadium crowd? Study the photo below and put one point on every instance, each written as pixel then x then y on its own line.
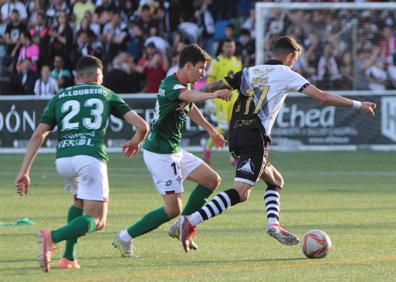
pixel 139 41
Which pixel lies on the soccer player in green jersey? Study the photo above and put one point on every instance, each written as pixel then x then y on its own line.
pixel 80 113
pixel 167 162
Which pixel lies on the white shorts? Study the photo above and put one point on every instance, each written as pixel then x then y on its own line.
pixel 170 170
pixel 85 177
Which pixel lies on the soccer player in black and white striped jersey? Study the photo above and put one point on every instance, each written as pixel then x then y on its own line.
pixel 262 91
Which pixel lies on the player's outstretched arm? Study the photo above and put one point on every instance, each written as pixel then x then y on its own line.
pixel 131 147
pixel 196 115
pixel 193 96
pixel 216 85
pixel 336 100
pixel 22 181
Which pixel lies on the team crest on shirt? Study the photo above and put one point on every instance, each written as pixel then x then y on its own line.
pixel 168 183
pixel 246 167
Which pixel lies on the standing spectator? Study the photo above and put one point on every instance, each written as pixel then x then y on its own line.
pixel 328 71
pixel 229 34
pixel 41 35
pixel 246 48
pixel 88 23
pixel 389 46
pixel 27 78
pixel 46 85
pixel 13 33
pixel 9 82
pixel 377 76
pixel 55 7
pixel 3 45
pixel 118 78
pixel 79 8
pixel 136 44
pixel 346 70
pixel 206 24
pixel 62 75
pixel 115 36
pixel 145 19
pixel 29 50
pixel 9 6
pixel 104 12
pixel 62 38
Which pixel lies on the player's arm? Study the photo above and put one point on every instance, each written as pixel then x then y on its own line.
pixel 22 181
pixel 336 100
pixel 131 147
pixel 194 96
pixel 230 82
pixel 196 115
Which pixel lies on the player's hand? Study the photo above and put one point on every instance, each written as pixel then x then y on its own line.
pixel 130 148
pixel 182 105
pixel 368 108
pixel 218 139
pixel 22 183
pixel 223 94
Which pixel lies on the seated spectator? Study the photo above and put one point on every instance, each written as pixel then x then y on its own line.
pixel 46 85
pixel 9 82
pixel 27 77
pixel 29 50
pixel 62 75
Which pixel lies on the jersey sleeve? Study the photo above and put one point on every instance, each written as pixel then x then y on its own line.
pixel 297 82
pixel 48 116
pixel 234 80
pixel 172 93
pixel 118 106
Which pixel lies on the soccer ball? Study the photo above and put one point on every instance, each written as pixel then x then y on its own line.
pixel 316 244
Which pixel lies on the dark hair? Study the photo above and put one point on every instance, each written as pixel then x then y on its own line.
pixel 194 54
pixel 88 65
pixel 285 45
pixel 228 40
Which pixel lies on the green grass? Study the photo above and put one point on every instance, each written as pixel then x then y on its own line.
pixel 350 195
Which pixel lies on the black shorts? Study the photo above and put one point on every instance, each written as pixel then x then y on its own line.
pixel 250 147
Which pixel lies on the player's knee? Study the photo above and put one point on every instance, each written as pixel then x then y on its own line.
pixel 173 212
pixel 214 182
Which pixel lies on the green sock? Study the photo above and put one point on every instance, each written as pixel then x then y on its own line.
pixel 74 212
pixel 148 222
pixel 74 229
pixel 198 198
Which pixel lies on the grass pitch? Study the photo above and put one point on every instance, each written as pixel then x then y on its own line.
pixel 349 195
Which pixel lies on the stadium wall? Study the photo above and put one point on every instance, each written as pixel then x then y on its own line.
pixel 302 124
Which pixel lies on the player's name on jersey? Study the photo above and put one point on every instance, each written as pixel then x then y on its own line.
pixel 75 142
pixel 74 92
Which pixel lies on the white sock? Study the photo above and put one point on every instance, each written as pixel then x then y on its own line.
pixel 272 221
pixel 195 218
pixel 124 235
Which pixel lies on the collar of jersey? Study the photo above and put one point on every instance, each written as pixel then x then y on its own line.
pixel 273 62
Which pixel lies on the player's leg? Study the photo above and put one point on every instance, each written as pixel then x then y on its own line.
pixel 274 180
pixel 93 189
pixel 69 259
pixel 166 174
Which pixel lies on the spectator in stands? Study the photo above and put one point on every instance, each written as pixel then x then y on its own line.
pixel 9 6
pixel 29 50
pixel 62 38
pixel 118 79
pixel 366 59
pixel 9 82
pixel 56 7
pixel 154 65
pixel 246 48
pixel 45 85
pixel 79 8
pixel 377 76
pixel 13 33
pixel 250 23
pixel 3 46
pixel 388 43
pixel 27 78
pixel 104 11
pixel 40 33
pixel 136 44
pixel 205 21
pixel 229 34
pixel 114 37
pixel 328 75
pixel 62 75
pixel 346 71
pixel 88 26
pixel 145 19
pixel 174 64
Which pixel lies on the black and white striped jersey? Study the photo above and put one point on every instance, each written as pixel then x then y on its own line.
pixel 262 92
